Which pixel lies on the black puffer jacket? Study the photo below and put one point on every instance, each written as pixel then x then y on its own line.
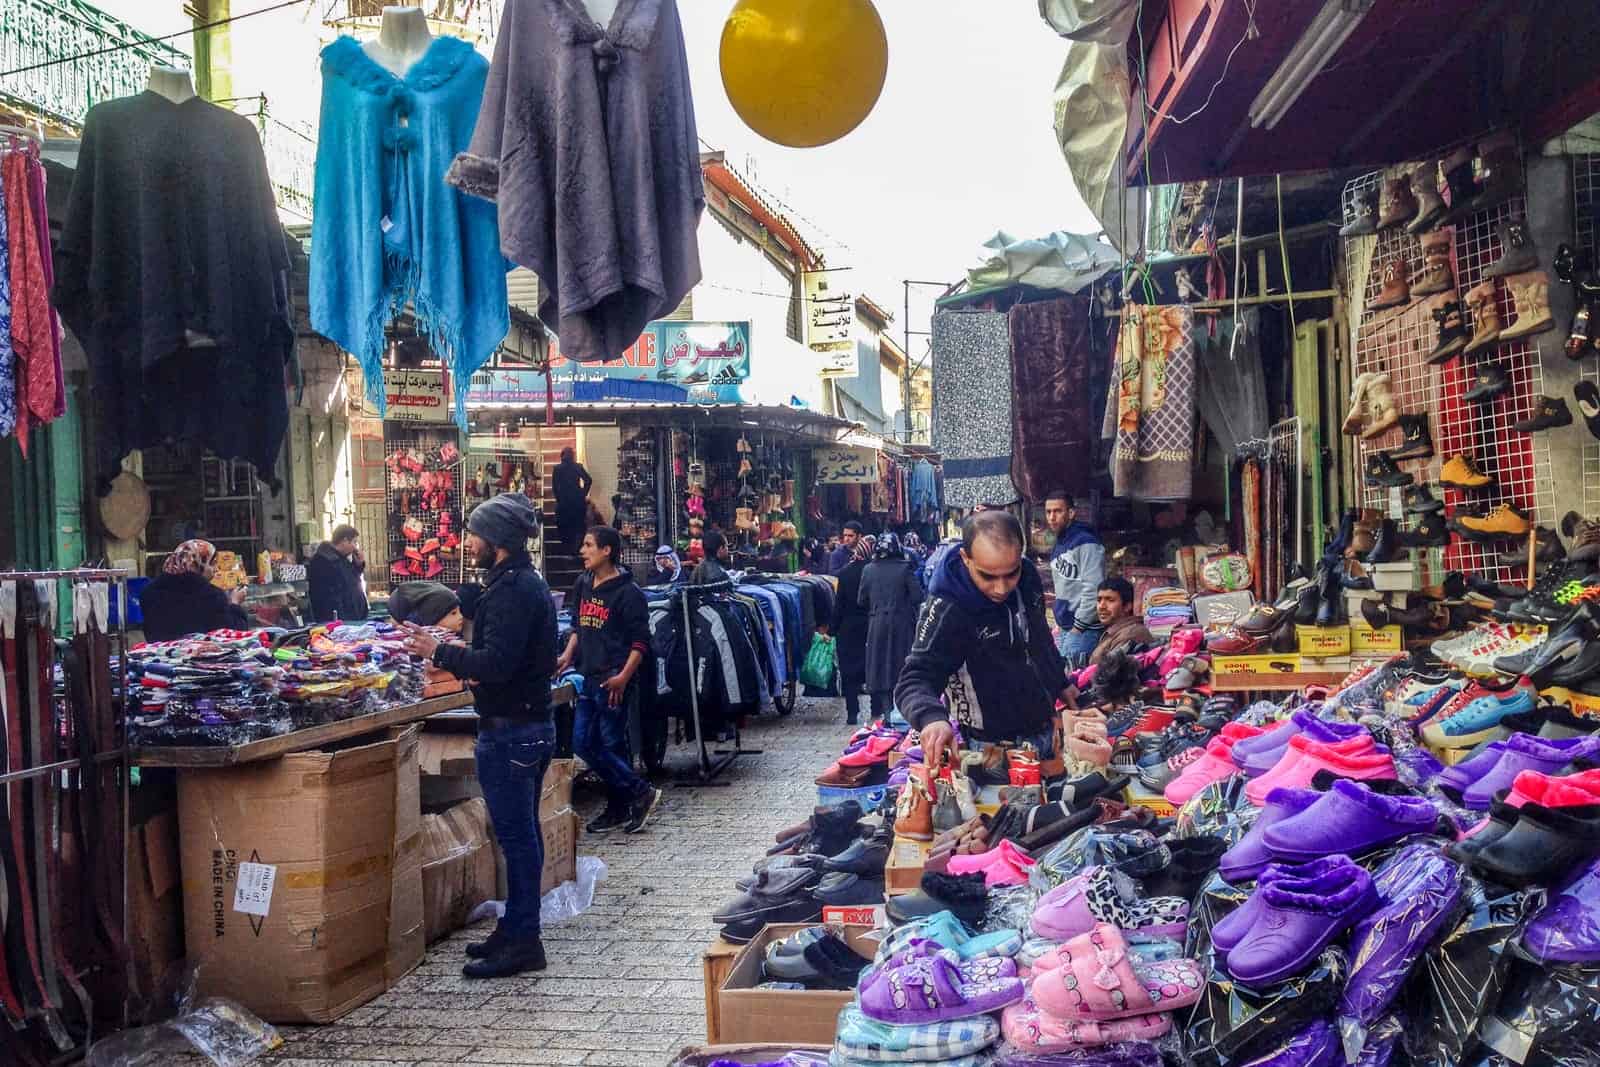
pixel 513 653
pixel 176 605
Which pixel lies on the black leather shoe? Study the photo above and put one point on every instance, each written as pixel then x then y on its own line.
pixel 513 957
pixel 477 950
pixel 1544 844
pixel 865 856
pixel 1385 546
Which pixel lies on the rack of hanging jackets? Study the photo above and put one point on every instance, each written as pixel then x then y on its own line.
pixel 64 962
pixel 32 389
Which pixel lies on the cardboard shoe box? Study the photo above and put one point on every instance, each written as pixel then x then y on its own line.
pixel 902 872
pixel 747 1015
pixel 458 866
pixel 289 889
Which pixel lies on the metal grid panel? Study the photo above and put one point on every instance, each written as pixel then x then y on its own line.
pixel 1586 231
pixel 403 497
pixel 1396 341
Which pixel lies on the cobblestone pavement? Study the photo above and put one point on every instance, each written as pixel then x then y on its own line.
pixel 624 984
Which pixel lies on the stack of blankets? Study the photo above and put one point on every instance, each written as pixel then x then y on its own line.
pixel 1166 608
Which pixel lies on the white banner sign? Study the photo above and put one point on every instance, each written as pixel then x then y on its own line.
pixel 413 396
pixel 845 465
pixel 830 312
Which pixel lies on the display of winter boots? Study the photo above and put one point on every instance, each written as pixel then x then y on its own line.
pixel 1361 213
pixel 1385 546
pixel 1489 382
pixel 1430 532
pixel 1584 337
pixel 1396 205
pixel 1430 205
pixel 1418 443
pixel 1331 609
pixel 1382 472
pixel 1517 252
pixel 1485 318
pixel 1500 167
pixel 1382 414
pixel 1505 521
pixel 1436 276
pixel 1460 471
pixel 1547 549
pixel 1358 404
pixel 1530 292
pixel 1548 413
pixel 1457 170
pixel 1364 534
pixel 1453 334
pixel 1395 292
pixel 1419 499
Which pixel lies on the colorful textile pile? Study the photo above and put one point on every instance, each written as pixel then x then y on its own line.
pixel 32 389
pixel 1166 608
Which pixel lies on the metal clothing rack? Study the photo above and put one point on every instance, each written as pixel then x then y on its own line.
pixel 47 780
pixel 707 771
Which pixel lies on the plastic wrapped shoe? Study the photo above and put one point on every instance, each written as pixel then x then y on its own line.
pixel 1298 919
pixel 1420 889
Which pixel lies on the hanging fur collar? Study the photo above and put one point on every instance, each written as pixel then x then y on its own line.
pixel 633 26
pixel 346 58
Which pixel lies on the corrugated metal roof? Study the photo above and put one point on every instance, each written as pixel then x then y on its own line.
pixel 522 290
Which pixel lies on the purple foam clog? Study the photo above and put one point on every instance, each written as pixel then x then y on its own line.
pixel 1350 818
pixel 1567 928
pixel 1322 876
pixel 1526 752
pixel 1259 758
pixel 1250 856
pixel 1298 919
pixel 1420 889
pixel 1456 778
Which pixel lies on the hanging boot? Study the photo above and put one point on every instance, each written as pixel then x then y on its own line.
pixel 1500 165
pixel 1395 291
pixel 1430 532
pixel 1418 442
pixel 1358 404
pixel 1548 413
pixel 1457 169
pixel 1548 549
pixel 1530 292
pixel 1430 205
pixel 1397 205
pixel 1384 547
pixel 1361 213
pixel 1461 471
pixel 1488 383
pixel 1382 473
pixel 1420 499
pixel 1517 250
pixel 1436 275
pixel 1453 334
pixel 1381 411
pixel 1584 337
pixel 1485 318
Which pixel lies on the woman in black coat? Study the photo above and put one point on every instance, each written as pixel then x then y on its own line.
pixel 890 594
pixel 182 600
pixel 849 625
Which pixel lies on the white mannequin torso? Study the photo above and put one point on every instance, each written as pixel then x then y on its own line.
pixel 403 38
pixel 601 10
pixel 172 83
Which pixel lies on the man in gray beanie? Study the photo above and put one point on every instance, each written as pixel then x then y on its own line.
pixel 509 665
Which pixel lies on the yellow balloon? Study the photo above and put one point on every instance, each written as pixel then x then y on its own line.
pixel 804 73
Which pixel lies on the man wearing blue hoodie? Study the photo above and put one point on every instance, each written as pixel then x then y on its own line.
pixel 1077 566
pixel 983 655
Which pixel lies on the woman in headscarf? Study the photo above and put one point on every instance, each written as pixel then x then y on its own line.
pixel 668 568
pixel 849 626
pixel 182 600
pixel 890 594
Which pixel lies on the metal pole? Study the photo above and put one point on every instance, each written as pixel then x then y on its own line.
pixel 905 362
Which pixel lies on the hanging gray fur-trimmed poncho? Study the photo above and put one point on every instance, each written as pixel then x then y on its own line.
pixel 586 141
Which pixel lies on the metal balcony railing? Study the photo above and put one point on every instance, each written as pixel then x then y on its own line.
pixel 44 31
pixel 473 20
pixel 291 155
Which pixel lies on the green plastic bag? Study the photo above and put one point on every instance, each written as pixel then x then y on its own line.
pixel 820 664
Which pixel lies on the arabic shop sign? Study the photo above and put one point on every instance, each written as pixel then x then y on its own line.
pixel 412 396
pixel 682 353
pixel 830 312
pixel 845 465
pixel 514 385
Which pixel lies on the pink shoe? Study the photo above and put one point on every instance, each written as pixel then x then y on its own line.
pixel 1292 754
pixel 1213 766
pixel 1027 1028
pixel 876 750
pixel 1005 864
pixel 1363 764
pixel 1098 981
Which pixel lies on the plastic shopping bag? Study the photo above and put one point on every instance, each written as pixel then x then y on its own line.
pixel 820 664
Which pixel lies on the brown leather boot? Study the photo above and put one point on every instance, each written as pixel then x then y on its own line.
pixel 1531 294
pixel 1381 410
pixel 1430 205
pixel 1436 276
pixel 1500 165
pixel 1397 205
pixel 1486 325
pixel 913 812
pixel 1395 291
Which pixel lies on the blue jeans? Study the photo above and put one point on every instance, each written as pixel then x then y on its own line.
pixel 600 739
pixel 1075 646
pixel 511 765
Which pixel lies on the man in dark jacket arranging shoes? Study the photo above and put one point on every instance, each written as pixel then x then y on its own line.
pixel 509 665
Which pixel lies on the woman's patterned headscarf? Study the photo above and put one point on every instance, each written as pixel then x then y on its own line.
pixel 193 557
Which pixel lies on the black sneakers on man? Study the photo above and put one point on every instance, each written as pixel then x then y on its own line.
pixel 507 959
pixel 641 810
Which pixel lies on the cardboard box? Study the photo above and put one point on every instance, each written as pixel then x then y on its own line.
pixel 903 871
pixel 1137 794
pixel 1277 663
pixel 458 866
pixel 288 879
pixel 749 1015
pixel 450 756
pixel 560 850
pixel 407 927
pixel 1323 641
pixel 1364 638
pixel 1394 577
pixel 715 963
pixel 155 903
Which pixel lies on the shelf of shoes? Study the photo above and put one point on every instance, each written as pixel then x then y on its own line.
pixel 1396 341
pixel 636 484
pixel 422 497
pixel 1586 231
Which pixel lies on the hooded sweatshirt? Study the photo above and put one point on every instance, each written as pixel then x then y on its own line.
pixel 1077 566
pixel 611 620
pixel 995 665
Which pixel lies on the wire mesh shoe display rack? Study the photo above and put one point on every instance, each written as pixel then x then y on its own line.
pixel 1397 341
pixel 1586 230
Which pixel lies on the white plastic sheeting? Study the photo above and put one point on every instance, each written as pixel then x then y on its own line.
pixel 1064 261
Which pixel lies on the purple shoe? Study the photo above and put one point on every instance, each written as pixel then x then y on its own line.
pixel 1269 748
pixel 1323 876
pixel 1317 1045
pixel 1298 919
pixel 1352 819
pixel 1567 928
pixel 1456 779
pixel 1526 752
pixel 1420 889
pixel 938 988
pixel 1250 856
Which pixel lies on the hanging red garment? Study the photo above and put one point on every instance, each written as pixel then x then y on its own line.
pixel 32 320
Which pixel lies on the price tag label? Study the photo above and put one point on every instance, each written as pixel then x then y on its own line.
pixel 1397 510
pixel 252 893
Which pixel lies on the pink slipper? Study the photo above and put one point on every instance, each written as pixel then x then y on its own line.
pixel 1213 766
pixel 1005 864
pixel 1362 763
pixel 1098 981
pixel 876 750
pixel 1358 745
pixel 1105 895
pixel 1027 1028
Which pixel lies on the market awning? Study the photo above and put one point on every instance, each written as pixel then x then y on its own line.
pixel 799 422
pixel 1409 79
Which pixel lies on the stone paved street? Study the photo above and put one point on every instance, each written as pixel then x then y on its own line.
pixel 624 984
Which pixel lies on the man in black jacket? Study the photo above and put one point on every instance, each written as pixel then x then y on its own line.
pixel 334 574
pixel 983 643
pixel 509 665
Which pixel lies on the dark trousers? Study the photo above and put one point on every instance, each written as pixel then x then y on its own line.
pixel 882 702
pixel 512 758
pixel 600 739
